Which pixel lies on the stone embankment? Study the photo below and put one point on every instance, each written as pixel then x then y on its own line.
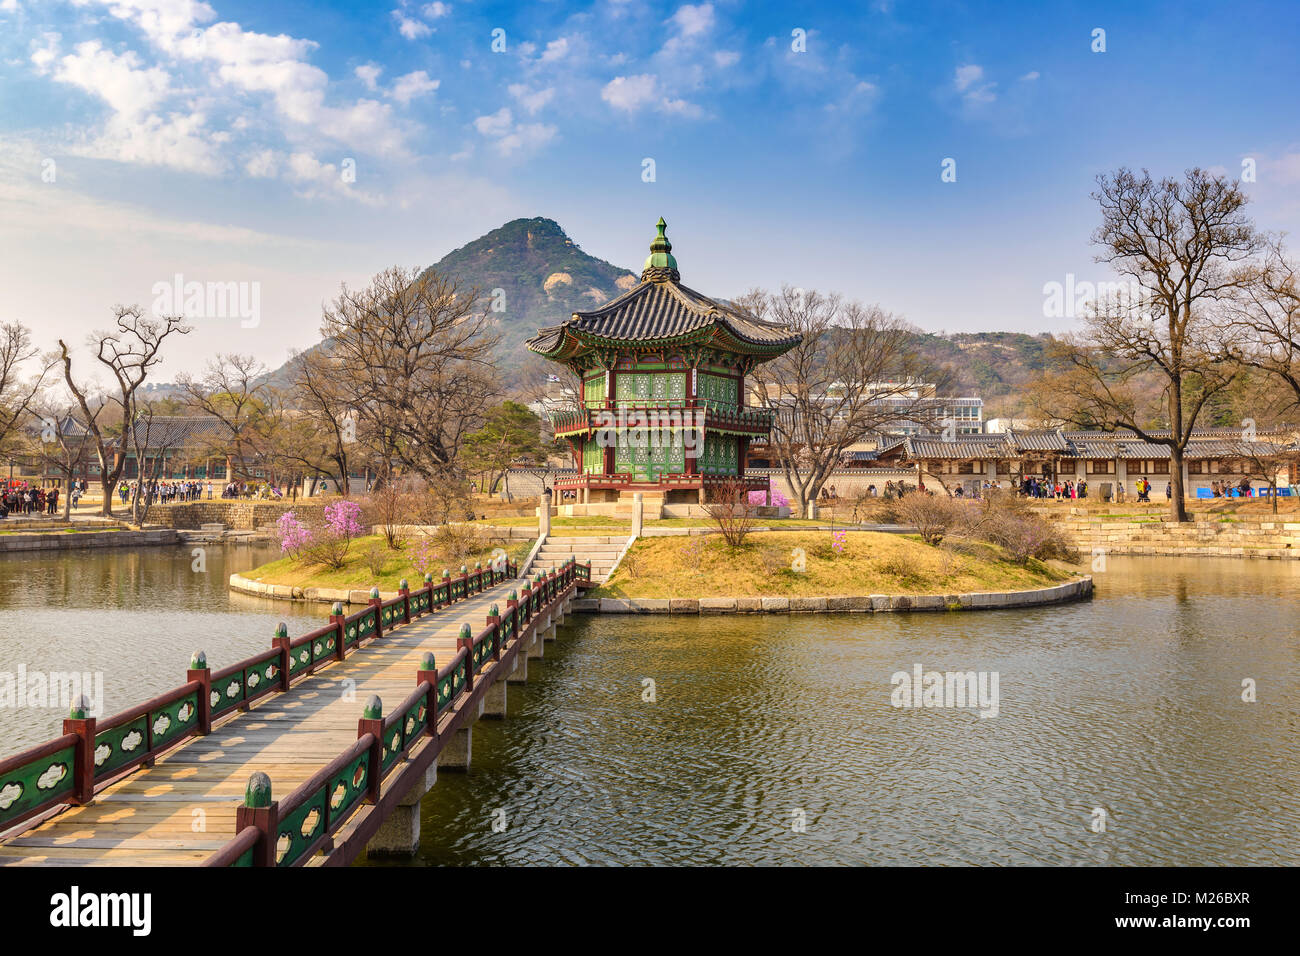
pixel 1209 535
pixel 1077 590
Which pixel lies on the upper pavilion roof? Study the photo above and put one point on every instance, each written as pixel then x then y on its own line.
pixel 659 310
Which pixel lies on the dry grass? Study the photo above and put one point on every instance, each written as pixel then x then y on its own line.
pixel 356 572
pixel 871 563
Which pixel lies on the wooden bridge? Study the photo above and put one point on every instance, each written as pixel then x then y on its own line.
pixel 350 722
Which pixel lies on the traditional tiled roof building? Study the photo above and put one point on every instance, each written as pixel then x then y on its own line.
pixel 663 388
pixel 1106 460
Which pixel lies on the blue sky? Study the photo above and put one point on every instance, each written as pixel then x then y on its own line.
pixel 211 139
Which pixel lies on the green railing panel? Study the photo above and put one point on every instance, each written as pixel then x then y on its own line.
pixel 263 676
pixel 245 858
pixel 323 648
pixel 347 789
pixel 446 690
pixel 120 745
pixel 227 693
pixel 392 746
pixel 36 782
pixel 416 719
pixel 366 624
pixel 300 828
pixel 299 659
pixel 174 720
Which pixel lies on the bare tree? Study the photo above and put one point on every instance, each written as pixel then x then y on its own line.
pixel 412 356
pixel 1183 246
pixel 1266 320
pixel 16 394
pixel 234 390
pixel 853 374
pixel 129 353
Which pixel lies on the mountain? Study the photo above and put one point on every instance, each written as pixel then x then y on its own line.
pixel 541 274
pixel 541 277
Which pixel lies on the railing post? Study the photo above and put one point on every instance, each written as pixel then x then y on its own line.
pixel 478 573
pixel 466 640
pixel 405 590
pixel 446 582
pixel 372 722
pixel 199 671
pixel 464 582
pixel 339 620
pixel 512 612
pixel 260 811
pixel 83 754
pixel 379 617
pixel 526 601
pixel 428 673
pixel 494 620
pixel 281 640
pixel 428 586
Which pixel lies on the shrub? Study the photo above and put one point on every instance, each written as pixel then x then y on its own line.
pixel 1007 521
pixel 295 537
pixel 377 560
pixel 933 516
pixel 731 513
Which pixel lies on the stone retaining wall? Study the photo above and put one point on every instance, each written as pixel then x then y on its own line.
pixel 87 539
pixel 238 515
pixel 1238 538
pixel 289 592
pixel 1077 590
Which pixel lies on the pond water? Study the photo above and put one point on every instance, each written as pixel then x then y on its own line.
pixel 773 740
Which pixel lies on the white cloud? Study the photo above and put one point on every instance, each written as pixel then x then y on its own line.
pixel 435 10
pixel 968 80
pixel 410 27
pixel 694 20
pixel 726 58
pixel 1030 76
pixel 9 6
pixel 555 50
pixel 509 137
pixel 368 74
pixel 632 93
pixel 407 87
pixel 531 100
pixel 118 79
pixel 262 165
pixel 496 124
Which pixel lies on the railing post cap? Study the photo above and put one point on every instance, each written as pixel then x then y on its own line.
pixel 80 707
pixel 428 577
pixel 478 565
pixel 199 659
pixel 374 708
pixel 281 630
pixel 337 609
pixel 403 585
pixel 428 662
pixel 446 573
pixel 463 569
pixel 514 595
pixel 465 632
pixel 374 593
pixel 258 792
pixel 494 612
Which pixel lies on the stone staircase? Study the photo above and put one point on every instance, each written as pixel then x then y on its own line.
pixel 601 550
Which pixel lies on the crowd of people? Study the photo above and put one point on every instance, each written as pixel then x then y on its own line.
pixel 22 499
pixel 165 492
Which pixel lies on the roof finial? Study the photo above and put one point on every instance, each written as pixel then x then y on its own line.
pixel 660 266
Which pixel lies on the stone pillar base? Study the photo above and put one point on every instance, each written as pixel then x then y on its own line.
pixel 456 755
pixel 494 701
pixel 399 834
